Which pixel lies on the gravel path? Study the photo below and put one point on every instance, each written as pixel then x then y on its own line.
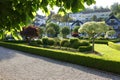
pixel 15 65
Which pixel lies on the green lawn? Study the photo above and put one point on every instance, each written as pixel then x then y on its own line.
pixel 108 52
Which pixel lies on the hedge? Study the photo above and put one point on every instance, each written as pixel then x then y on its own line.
pixel 77 58
pixel 100 41
pixel 114 45
pixel 85 48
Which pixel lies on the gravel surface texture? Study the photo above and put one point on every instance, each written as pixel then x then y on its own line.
pixel 16 65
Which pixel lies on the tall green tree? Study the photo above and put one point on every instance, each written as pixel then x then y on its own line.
pixel 93 30
pixel 54 26
pixel 51 32
pixel 116 10
pixel 56 17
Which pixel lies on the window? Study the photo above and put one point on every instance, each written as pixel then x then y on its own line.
pixel 112 20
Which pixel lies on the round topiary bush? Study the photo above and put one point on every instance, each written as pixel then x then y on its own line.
pixel 72 40
pixel 84 43
pixel 75 45
pixel 45 41
pixel 39 42
pixel 85 48
pixel 51 41
pixel 65 43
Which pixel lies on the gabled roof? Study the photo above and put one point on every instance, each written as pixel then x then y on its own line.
pixel 112 17
pixel 77 21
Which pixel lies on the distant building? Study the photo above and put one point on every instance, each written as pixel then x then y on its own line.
pixel 40 20
pixel 87 15
pixel 115 23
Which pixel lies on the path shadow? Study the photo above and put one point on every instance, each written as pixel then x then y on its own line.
pixel 6 53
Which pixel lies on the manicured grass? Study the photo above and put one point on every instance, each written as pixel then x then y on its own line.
pixel 114 45
pixel 109 61
pixel 108 52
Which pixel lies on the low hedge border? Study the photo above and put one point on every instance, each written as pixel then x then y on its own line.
pixel 114 46
pixel 80 59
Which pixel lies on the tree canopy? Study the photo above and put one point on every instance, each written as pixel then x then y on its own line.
pixel 94 29
pixel 116 9
pixel 15 12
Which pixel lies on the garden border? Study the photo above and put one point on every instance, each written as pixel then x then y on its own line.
pixel 98 63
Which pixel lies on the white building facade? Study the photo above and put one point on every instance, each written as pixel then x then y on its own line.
pixel 87 16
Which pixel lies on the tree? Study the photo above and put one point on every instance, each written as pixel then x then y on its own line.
pixel 16 12
pixel 55 27
pixel 65 31
pixel 56 17
pixel 116 10
pixel 94 29
pixel 30 32
pixel 51 32
pixel 94 18
pixel 41 31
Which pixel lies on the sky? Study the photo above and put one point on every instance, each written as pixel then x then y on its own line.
pixel 104 3
pixel 99 3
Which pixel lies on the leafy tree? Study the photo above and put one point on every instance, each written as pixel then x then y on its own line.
pixel 56 17
pixel 30 32
pixel 65 31
pixel 41 31
pixel 116 10
pixel 51 32
pixel 94 29
pixel 16 13
pixel 54 26
pixel 94 18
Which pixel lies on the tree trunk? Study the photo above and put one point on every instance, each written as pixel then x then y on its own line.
pixel 93 42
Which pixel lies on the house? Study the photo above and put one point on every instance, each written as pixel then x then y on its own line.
pixel 40 20
pixel 86 16
pixel 115 23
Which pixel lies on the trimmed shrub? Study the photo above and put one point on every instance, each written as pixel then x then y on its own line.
pixel 114 46
pixel 65 43
pixel 45 41
pixel 57 41
pixel 101 41
pixel 39 42
pixel 85 48
pixel 51 41
pixel 74 43
pixel 14 41
pixel 33 43
pixel 72 40
pixel 84 43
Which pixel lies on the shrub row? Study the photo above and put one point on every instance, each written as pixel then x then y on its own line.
pixel 14 41
pixel 85 48
pixel 76 58
pixel 100 41
pixel 114 46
